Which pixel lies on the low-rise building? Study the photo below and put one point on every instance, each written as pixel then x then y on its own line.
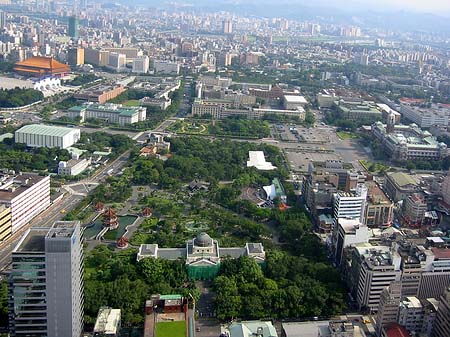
pixel 400 185
pixel 73 167
pixel 408 142
pixel 292 102
pixel 111 113
pixel 202 255
pixel 100 93
pixel 107 323
pixel 252 328
pixel 40 135
pixel 358 110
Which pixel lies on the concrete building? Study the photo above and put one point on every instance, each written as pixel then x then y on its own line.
pixel 426 117
pixel 75 56
pixel 408 142
pixel 166 67
pixel 442 324
pixel 100 93
pixel 379 210
pixel 358 110
pixel 350 205
pixel 291 102
pixel 46 284
pixel 5 222
pixel 117 61
pixel 107 323
pixel 388 308
pixel 414 208
pixel 141 65
pixel 375 267
pixel 112 113
pixel 227 26
pixel 26 195
pixel 417 316
pixel 73 167
pixel 258 160
pixel 400 185
pixel 40 135
pixel 347 232
pixel 252 328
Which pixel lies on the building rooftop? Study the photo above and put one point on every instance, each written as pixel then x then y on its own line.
pixel 252 328
pixel 295 99
pixel 47 63
pixel 257 159
pixel 13 185
pixel 107 321
pixel 46 130
pixel 34 239
pixel 402 179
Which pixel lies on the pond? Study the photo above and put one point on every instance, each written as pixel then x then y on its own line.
pixel 124 221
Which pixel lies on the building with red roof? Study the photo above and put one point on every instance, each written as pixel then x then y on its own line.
pixel 38 66
pixel 395 330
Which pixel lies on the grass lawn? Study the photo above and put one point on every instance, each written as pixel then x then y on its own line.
pixel 171 329
pixel 131 102
pixel 347 135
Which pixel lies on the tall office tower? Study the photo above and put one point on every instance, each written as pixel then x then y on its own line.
pixel 442 323
pixel 74 27
pixel 227 27
pixel 46 286
pixel 375 268
pixel 75 56
pixel 2 19
pixel 350 205
pixel 388 307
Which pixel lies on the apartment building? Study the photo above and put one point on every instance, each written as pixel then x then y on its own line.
pixel 376 267
pixel 26 195
pixel 442 324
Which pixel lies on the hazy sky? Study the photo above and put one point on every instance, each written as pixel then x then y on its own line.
pixel 429 6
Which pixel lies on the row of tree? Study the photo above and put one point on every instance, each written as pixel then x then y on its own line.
pixel 17 97
pixel 288 287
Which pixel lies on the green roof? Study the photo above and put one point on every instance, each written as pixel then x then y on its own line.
pixel 46 130
pixel 402 179
pixel 170 297
pixel 279 189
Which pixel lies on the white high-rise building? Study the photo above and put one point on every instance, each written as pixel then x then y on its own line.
pixel 46 284
pixel 117 61
pixel 350 205
pixel 347 232
pixel 377 267
pixel 141 65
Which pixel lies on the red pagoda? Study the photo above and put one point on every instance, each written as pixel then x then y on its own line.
pixel 110 219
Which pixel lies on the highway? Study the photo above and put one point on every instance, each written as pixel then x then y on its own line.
pixel 57 210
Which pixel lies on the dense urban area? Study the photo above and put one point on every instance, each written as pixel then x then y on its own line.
pixel 191 169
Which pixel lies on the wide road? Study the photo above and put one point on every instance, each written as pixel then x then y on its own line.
pixel 57 210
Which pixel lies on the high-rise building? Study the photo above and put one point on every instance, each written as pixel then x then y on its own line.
pixel 350 205
pixel 388 307
pixel 3 18
pixel 227 27
pixel 46 286
pixel 375 268
pixel 117 61
pixel 141 64
pixel 75 56
pixel 74 27
pixel 347 232
pixel 441 326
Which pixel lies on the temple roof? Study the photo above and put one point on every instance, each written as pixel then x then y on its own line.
pixel 41 62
